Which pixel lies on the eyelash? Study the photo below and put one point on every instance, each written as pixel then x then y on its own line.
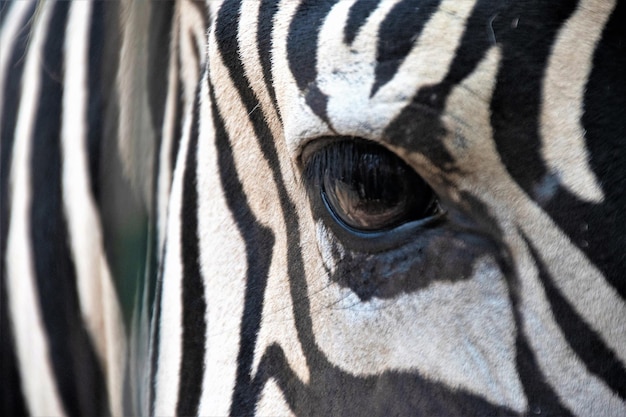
pixel 338 159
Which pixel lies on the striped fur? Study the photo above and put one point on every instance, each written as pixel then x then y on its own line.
pixel 83 116
pixel 183 135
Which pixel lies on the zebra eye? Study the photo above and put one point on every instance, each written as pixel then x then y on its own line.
pixel 368 188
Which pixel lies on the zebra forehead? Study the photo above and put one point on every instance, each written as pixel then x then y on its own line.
pixel 359 88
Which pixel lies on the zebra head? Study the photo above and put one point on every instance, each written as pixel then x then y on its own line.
pixel 398 207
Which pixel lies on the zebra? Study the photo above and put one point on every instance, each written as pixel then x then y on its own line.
pixel 355 207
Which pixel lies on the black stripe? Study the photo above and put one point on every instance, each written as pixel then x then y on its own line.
pixel 95 99
pixel 161 17
pixel 397 35
pixel 178 116
pixel 588 345
pixel 302 39
pixel 179 86
pixel 418 127
pixel 525 52
pixel 4 10
pixel 259 242
pixel 302 52
pixel 332 392
pixel 193 302
pixel 76 369
pixel 604 122
pixel 195 51
pixel 357 16
pixel 474 44
pixel 541 398
pixel 265 20
pixel 102 113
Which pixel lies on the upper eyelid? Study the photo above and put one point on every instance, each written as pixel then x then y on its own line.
pixel 340 158
pixel 311 146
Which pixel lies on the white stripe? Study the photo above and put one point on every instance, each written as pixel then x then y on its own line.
pixel 135 140
pixel 564 85
pixel 298 119
pixel 431 57
pixel 582 284
pixel 347 72
pixel 98 302
pixel 223 265
pixel 581 391
pixel 170 326
pixel 31 341
pixel 11 29
pixel 249 52
pixel 212 7
pixel 192 34
pixel 277 322
pixel 272 401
